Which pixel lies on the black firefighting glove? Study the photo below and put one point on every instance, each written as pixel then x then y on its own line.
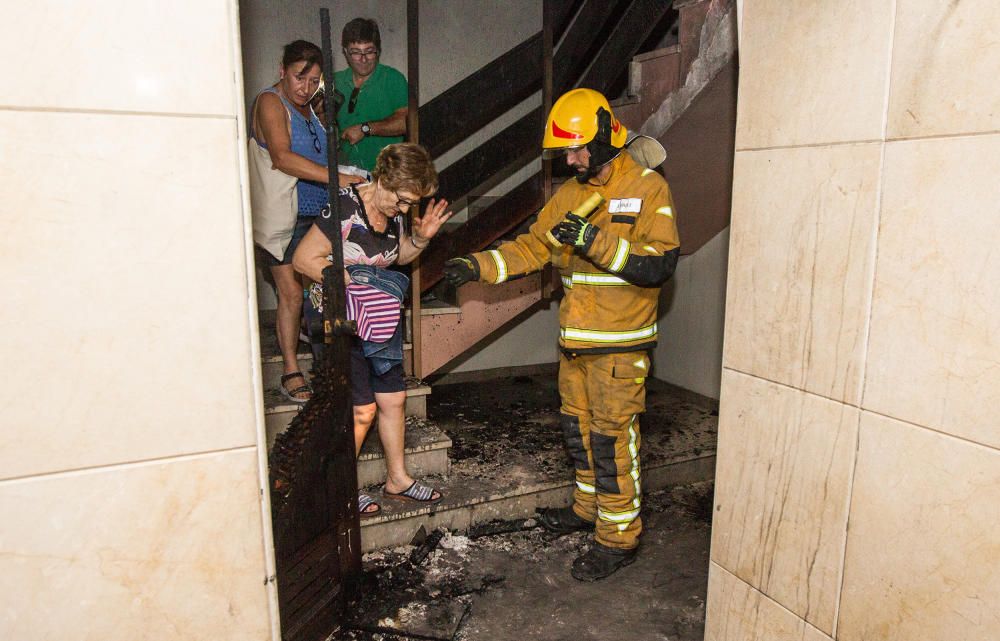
pixel 459 271
pixel 575 231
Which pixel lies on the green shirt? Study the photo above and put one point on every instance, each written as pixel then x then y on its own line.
pixel 379 97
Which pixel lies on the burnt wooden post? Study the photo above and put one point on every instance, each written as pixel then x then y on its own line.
pixel 312 466
pixel 547 80
pixel 335 364
pixel 413 135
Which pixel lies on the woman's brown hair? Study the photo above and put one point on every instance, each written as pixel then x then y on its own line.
pixel 406 166
pixel 302 50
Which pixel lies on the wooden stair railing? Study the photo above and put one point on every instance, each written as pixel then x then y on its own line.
pixel 517 145
pixel 490 92
pixel 491 224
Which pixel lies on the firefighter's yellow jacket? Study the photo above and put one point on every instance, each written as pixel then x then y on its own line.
pixel 611 293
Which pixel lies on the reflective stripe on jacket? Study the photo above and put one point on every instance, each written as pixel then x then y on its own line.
pixel 600 310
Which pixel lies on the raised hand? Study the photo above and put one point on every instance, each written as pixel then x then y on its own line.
pixel 427 226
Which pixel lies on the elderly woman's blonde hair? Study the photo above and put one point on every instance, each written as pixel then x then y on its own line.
pixel 406 166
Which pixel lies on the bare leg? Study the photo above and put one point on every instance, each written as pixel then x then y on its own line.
pixel 392 433
pixel 289 314
pixel 364 415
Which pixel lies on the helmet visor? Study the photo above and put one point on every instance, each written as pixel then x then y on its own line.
pixel 556 152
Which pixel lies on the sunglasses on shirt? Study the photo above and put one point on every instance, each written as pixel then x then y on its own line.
pixel 312 130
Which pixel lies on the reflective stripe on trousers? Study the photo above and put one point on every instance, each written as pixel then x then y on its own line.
pixel 601 401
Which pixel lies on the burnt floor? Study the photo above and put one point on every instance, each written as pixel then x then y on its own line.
pixel 516 585
pixel 508 429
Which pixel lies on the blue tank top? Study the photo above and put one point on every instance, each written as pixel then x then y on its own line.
pixel 308 141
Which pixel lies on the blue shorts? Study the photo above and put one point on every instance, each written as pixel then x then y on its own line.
pixel 365 383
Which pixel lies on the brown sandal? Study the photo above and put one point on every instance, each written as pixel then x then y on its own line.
pixel 292 394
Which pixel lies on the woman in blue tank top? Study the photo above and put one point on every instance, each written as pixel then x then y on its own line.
pixel 283 123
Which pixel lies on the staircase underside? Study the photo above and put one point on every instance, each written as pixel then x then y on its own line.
pixel 700 147
pixel 485 309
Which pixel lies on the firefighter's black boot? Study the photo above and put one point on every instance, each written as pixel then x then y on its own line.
pixel 601 561
pixel 563 520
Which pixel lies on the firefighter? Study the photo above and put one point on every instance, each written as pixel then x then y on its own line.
pixel 611 233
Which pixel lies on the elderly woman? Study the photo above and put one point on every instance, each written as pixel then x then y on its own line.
pixel 374 236
pixel 293 169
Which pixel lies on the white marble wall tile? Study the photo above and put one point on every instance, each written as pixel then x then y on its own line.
pixel 924 547
pixel 812 72
pixel 737 612
pixel 125 323
pixel 167 551
pixel 799 266
pixel 945 62
pixel 934 354
pixel 121 55
pixel 781 493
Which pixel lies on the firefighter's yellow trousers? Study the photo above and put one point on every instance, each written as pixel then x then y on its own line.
pixel 602 397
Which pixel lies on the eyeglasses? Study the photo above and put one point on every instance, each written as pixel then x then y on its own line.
pixel 312 130
pixel 402 201
pixel 357 54
pixel 353 102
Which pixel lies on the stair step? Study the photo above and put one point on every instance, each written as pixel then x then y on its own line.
pixel 273 365
pixel 435 307
pixel 508 457
pixel 278 412
pixel 426 452
pixel 470 500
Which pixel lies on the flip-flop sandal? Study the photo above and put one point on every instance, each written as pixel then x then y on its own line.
pixel 291 394
pixel 365 503
pixel 417 492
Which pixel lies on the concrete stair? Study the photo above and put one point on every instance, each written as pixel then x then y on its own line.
pixel 470 500
pixel 490 480
pixel 426 446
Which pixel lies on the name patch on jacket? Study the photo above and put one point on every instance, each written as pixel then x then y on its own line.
pixel 624 205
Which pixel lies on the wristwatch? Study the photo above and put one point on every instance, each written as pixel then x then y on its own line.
pixel 366 129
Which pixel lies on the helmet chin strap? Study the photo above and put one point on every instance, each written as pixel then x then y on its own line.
pixel 591 173
pixel 601 150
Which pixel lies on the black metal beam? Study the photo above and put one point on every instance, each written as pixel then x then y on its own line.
pixel 634 26
pixel 481 97
pixel 460 111
pixel 493 222
pixel 572 55
pixel 481 164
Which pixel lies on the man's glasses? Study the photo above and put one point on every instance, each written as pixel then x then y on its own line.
pixel 312 130
pixel 353 102
pixel 357 54
pixel 402 201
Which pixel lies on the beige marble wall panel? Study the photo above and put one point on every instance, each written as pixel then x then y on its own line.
pixel 812 72
pixel 737 612
pixel 923 548
pixel 799 266
pixel 91 556
pixel 124 323
pixel 781 493
pixel 934 354
pixel 945 62
pixel 125 56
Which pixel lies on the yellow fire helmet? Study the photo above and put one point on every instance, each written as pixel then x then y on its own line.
pixel 581 117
